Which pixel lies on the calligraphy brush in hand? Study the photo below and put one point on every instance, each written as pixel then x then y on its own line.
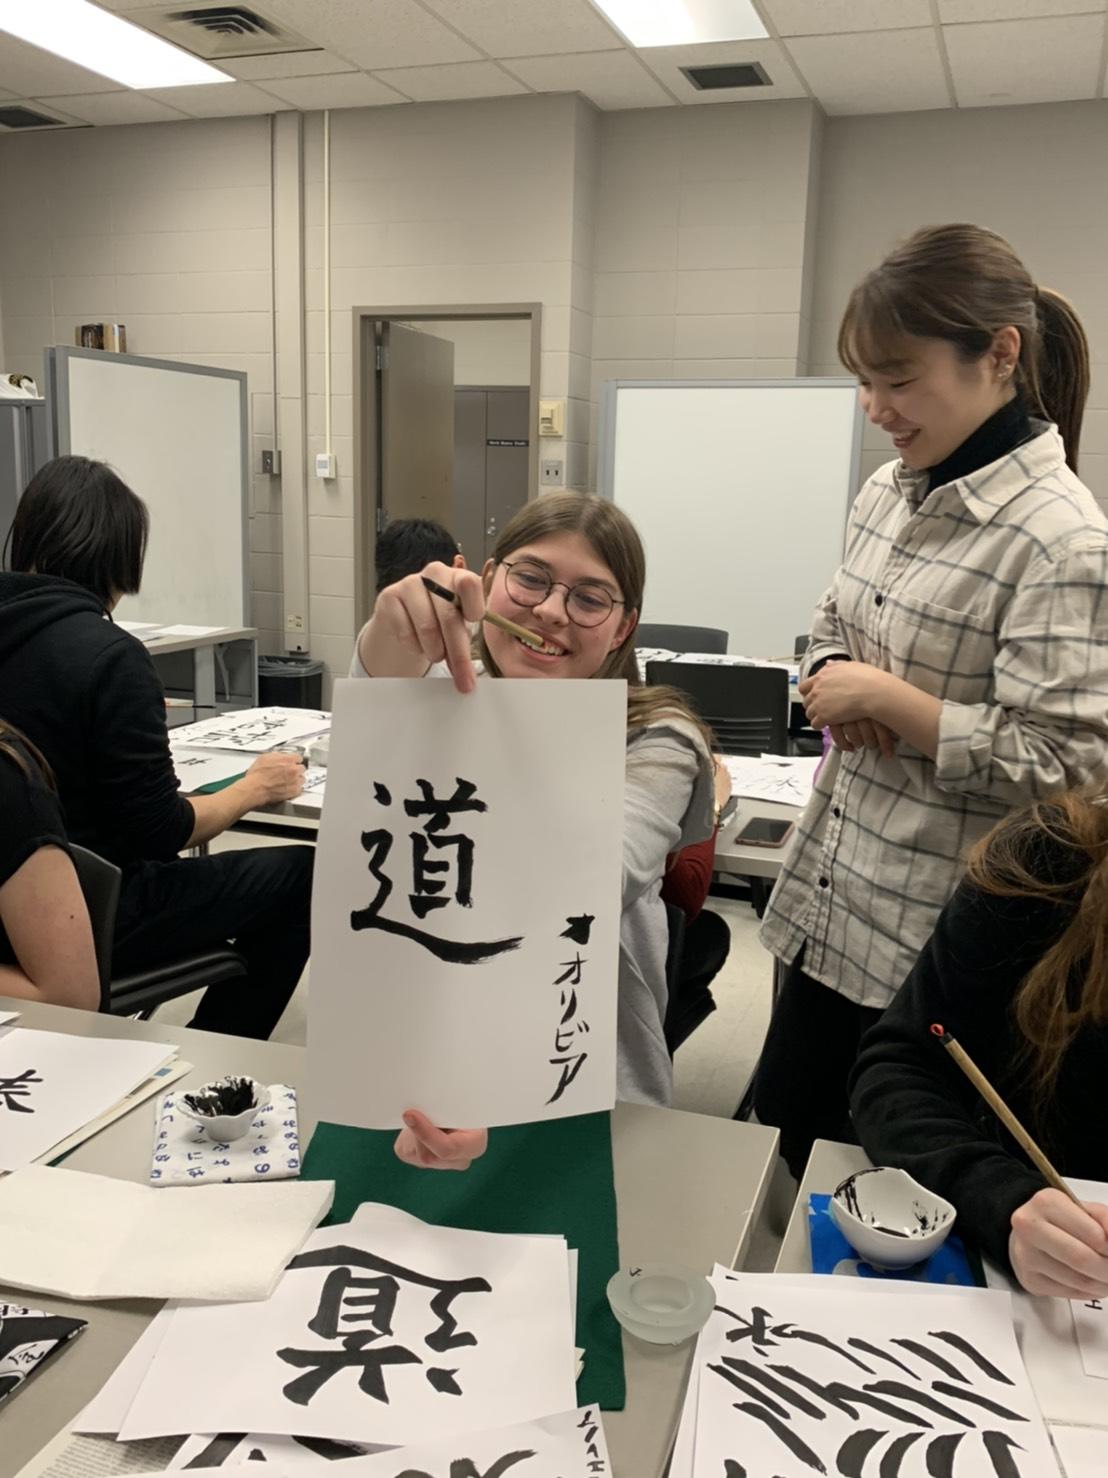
pixel 501 622
pixel 1003 1112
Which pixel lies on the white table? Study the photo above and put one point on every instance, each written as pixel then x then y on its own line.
pixel 203 648
pixel 688 1188
pixel 732 856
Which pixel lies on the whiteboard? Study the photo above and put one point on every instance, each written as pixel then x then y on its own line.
pixel 177 436
pixel 740 490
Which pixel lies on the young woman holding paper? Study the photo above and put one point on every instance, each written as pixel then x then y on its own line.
pixel 1017 972
pixel 960 655
pixel 569 570
pixel 46 946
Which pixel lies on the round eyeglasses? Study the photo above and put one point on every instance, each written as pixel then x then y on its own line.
pixel 587 604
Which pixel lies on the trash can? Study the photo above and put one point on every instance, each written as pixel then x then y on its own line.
pixel 290 682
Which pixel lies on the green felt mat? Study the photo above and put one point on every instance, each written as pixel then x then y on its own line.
pixel 535 1178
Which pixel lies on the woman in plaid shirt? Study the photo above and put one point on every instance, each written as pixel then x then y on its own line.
pixel 960 655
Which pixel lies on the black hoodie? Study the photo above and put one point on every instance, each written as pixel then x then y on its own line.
pixel 86 693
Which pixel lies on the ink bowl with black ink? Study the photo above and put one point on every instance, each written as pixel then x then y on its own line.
pixel 663 1303
pixel 889 1219
pixel 225 1109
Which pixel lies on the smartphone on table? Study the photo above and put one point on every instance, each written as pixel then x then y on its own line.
pixel 764 831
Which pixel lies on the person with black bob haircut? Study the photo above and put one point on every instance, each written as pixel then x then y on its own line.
pixel 85 692
pixel 408 545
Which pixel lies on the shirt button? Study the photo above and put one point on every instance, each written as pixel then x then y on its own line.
pixel 879 600
pixel 836 811
pixel 824 882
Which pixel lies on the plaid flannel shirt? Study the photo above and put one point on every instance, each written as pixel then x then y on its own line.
pixel 991 593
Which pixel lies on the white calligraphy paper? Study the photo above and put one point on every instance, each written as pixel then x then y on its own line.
pixel 1083 1451
pixel 785 779
pixel 466 906
pixel 253 730
pixel 315 782
pixel 197 767
pixel 1090 1316
pixel 52 1084
pixel 570 1445
pixel 792 1378
pixel 375 1334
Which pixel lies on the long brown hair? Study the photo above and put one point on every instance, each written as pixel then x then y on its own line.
pixel 1067 989
pixel 964 284
pixel 616 541
pixel 18 747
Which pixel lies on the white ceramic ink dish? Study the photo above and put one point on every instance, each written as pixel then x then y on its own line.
pixel 224 1128
pixel 889 1219
pixel 663 1303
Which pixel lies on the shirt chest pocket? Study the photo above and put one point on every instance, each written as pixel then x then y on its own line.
pixel 946 651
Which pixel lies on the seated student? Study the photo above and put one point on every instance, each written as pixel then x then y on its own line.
pixel 570 567
pixel 46 945
pixel 86 694
pixel 408 545
pixel 1017 972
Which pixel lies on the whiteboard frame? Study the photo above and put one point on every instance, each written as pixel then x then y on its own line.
pixel 609 395
pixel 57 361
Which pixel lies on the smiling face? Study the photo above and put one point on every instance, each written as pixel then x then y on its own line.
pixel 569 650
pixel 929 399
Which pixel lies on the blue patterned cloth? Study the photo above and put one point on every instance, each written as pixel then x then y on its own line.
pixel 269 1150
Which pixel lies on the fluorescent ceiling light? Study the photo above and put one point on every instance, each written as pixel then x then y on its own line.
pixel 683 22
pixel 104 43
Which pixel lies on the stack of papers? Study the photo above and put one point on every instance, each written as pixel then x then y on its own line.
pixel 816 1374
pixel 56 1089
pixel 253 730
pixel 773 777
pixel 380 1331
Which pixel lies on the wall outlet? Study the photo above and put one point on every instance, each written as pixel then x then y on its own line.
pixel 294 623
pixel 552 474
pixel 271 463
pixel 326 465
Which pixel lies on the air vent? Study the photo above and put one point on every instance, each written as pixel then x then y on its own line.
pixel 19 117
pixel 729 74
pixel 220 32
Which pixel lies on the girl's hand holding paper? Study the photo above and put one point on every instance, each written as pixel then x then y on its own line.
pixel 427 1147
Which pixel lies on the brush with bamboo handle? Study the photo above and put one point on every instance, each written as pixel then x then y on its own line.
pixel 490 616
pixel 1003 1112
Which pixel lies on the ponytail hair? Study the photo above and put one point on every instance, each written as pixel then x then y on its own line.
pixel 1067 989
pixel 964 283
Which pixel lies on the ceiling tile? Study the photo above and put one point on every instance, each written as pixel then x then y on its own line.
pixel 345 90
pixel 612 79
pixel 883 72
pixel 114 107
pixel 32 72
pixel 529 27
pixel 454 80
pixel 666 62
pixel 286 64
pixel 1013 10
pixel 372 33
pixel 1033 61
pixel 836 17
pixel 220 100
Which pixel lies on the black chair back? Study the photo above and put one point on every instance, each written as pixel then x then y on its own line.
pixel 682 638
pixel 99 882
pixel 800 645
pixel 747 708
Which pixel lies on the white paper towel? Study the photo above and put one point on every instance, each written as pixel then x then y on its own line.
pixel 86 1236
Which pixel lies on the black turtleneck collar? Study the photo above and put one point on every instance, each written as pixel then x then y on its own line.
pixel 1006 429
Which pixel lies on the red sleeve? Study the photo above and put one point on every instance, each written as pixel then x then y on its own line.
pixel 689 877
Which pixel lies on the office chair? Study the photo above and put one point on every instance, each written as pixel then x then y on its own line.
pixel 143 991
pixel 747 708
pixel 682 638
pixel 690 971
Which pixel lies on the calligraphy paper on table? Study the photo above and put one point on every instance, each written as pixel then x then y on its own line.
pixel 466 905
pixel 197 767
pixel 377 1333
pixel 1090 1315
pixel 798 1380
pixel 1083 1451
pixel 253 730
pixel 52 1084
pixel 233 1451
